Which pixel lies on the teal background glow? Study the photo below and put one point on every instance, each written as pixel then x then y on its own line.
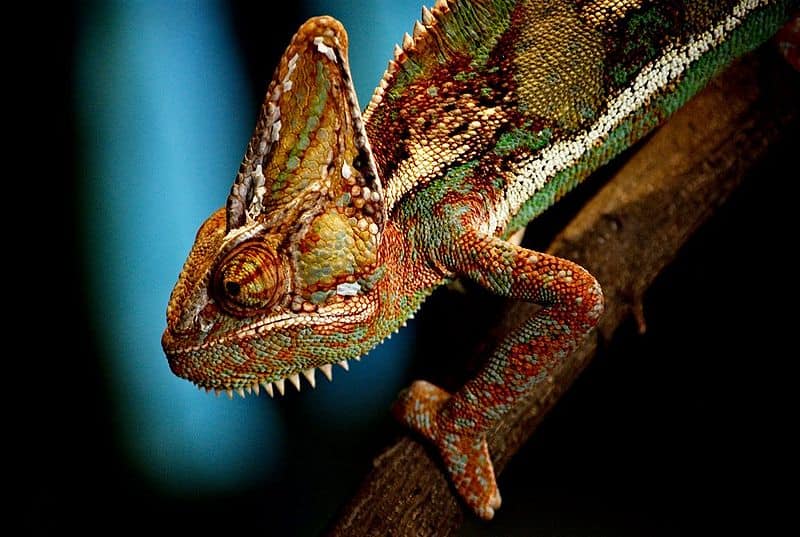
pixel 167 104
pixel 165 108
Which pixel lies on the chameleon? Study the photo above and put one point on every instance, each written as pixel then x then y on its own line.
pixel 340 223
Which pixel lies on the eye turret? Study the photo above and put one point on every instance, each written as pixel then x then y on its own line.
pixel 249 280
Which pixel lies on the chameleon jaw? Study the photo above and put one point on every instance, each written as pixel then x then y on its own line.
pixel 244 356
pixel 213 365
pixel 245 387
pixel 280 385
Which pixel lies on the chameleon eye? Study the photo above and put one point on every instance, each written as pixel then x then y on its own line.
pixel 248 280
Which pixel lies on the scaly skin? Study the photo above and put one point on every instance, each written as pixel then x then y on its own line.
pixel 338 227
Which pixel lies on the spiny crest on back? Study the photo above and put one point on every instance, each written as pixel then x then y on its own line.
pixel 449 28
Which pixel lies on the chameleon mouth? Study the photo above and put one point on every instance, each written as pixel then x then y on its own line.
pixel 175 344
pixel 270 387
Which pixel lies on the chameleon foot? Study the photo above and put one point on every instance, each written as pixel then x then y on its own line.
pixel 466 457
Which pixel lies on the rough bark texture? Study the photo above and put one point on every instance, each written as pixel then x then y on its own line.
pixel 626 235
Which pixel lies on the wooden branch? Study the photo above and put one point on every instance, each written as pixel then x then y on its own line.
pixel 626 235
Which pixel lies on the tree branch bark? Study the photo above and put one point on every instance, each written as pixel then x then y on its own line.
pixel 626 235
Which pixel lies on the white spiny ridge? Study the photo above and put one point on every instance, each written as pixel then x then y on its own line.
pixel 420 30
pixel 535 173
pixel 294 379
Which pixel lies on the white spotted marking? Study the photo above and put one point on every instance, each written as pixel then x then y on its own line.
pixel 259 189
pixel 348 289
pixel 276 131
pixel 274 112
pixel 205 324
pixel 347 172
pixel 293 62
pixel 325 49
pixel 287 82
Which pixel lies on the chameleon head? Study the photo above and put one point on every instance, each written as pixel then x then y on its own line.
pixel 288 276
pixel 256 308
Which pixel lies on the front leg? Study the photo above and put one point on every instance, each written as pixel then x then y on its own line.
pixel 571 302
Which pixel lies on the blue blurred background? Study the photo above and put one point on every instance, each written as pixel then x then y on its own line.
pixel 163 93
pixel 165 96
pixel 156 101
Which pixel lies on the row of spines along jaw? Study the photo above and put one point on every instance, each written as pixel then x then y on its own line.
pixel 280 385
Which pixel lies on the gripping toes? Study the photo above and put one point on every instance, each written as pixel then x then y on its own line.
pixel 470 468
pixel 466 457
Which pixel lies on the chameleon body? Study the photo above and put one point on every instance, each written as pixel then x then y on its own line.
pixel 338 225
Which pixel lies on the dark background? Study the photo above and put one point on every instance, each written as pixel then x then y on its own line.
pixel 681 431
